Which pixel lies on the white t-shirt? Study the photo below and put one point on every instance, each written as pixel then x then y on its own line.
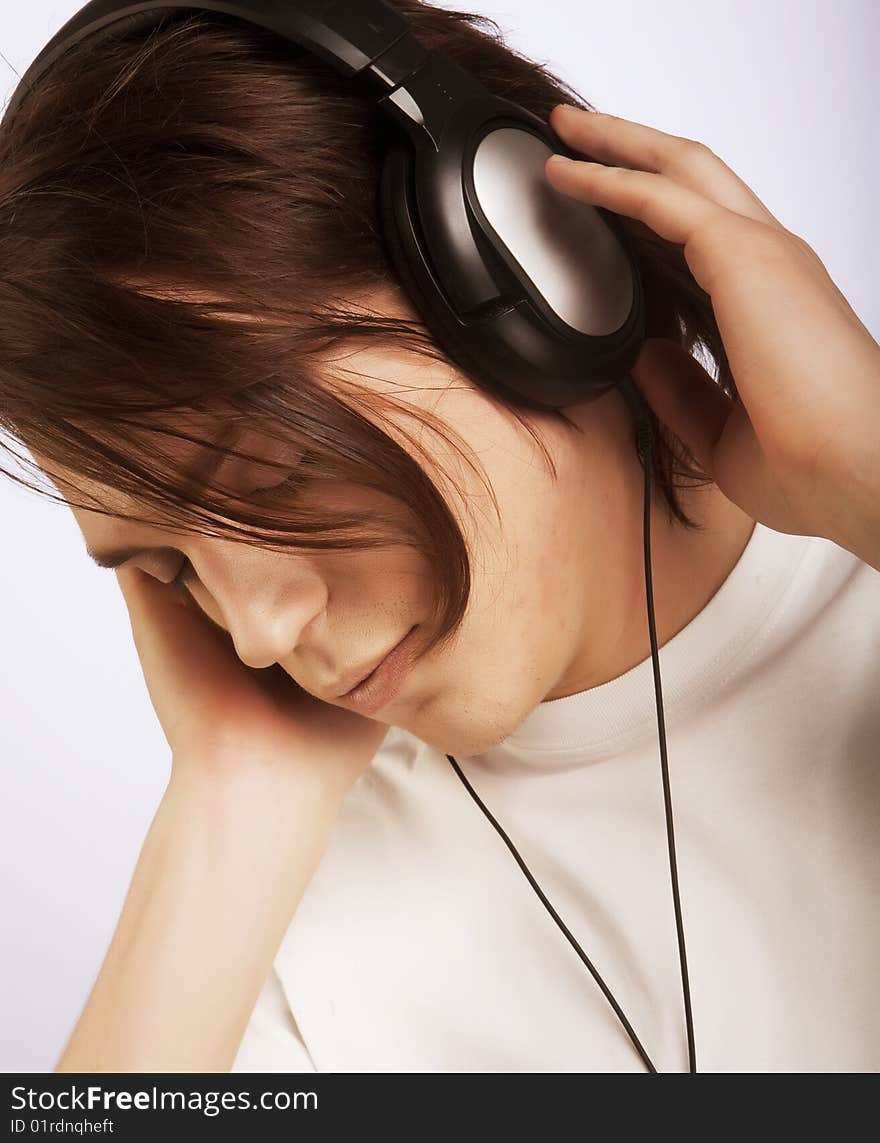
pixel 420 946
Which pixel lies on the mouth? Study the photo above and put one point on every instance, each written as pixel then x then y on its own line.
pixel 383 682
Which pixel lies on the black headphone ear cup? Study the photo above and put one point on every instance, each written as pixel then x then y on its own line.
pixel 399 217
pixel 506 348
pixel 410 259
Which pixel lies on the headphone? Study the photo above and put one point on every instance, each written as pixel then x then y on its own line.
pixel 526 289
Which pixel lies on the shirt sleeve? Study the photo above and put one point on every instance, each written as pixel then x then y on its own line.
pixel 272 1041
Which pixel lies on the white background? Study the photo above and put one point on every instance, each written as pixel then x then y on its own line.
pixel 785 92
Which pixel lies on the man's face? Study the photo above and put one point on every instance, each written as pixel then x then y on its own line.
pixel 553 582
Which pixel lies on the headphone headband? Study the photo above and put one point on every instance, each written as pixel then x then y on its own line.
pixel 533 294
pixel 349 37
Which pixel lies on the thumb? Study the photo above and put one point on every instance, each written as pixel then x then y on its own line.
pixel 684 397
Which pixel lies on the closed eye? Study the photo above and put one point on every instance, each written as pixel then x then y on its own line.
pixel 295 482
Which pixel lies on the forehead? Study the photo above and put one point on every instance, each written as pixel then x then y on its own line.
pixel 73 486
pixel 165 439
pixel 112 520
pixel 100 508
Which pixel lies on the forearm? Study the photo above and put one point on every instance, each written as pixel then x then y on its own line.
pixel 220 875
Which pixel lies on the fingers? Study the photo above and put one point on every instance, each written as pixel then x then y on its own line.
pixel 610 139
pixel 670 209
pixel 624 144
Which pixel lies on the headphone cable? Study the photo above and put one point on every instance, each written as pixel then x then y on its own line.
pixel 645 442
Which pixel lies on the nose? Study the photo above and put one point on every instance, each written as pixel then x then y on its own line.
pixel 266 617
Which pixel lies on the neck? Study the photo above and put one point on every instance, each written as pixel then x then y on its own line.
pixel 688 566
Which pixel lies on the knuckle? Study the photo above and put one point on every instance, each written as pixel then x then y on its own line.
pixel 694 147
pixel 792 239
pixel 777 246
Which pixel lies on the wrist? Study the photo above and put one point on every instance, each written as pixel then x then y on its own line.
pixel 271 825
pixel 236 789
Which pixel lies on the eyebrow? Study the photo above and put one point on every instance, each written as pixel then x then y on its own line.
pixel 198 474
pixel 114 557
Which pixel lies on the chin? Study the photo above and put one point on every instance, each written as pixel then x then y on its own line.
pixel 467 738
pixel 467 720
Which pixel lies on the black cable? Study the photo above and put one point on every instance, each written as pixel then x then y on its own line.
pixel 577 948
pixel 645 443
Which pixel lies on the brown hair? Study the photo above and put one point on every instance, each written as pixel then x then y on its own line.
pixel 211 159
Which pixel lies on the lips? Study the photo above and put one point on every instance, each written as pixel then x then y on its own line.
pixel 381 686
pixel 363 673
